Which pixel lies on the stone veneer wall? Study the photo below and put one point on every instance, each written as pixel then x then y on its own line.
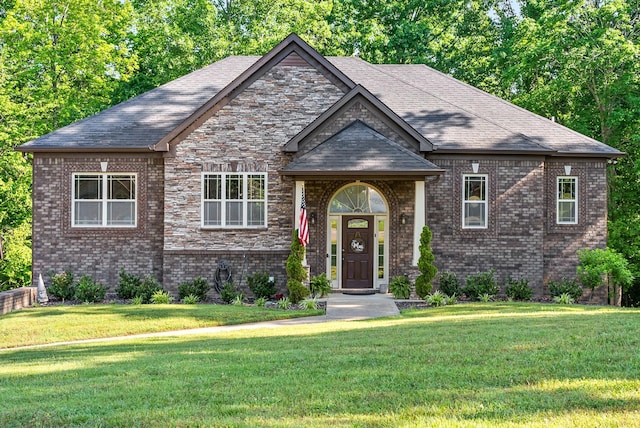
pixel 99 252
pixel 247 134
pixel 522 239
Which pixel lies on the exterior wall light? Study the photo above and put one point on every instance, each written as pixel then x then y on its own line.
pixel 312 218
pixel 475 166
pixel 403 219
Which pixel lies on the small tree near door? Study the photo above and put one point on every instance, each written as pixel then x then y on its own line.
pixel 425 264
pixel 296 273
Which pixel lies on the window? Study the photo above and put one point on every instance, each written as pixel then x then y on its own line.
pixel 567 201
pixel 474 202
pixel 234 200
pixel 104 200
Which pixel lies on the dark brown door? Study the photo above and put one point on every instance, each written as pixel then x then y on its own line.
pixel 357 252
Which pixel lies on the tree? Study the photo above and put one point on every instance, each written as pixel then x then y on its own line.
pixel 427 269
pixel 599 267
pixel 296 273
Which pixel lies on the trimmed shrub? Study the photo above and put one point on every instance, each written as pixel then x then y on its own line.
pixel 197 287
pixel 190 299
pixel 260 285
pixel 297 291
pixel 449 284
pixel 425 264
pixel 62 286
pixel 128 285
pixel 565 286
pixel 481 284
pixel 400 287
pixel 89 290
pixel 518 289
pixel 229 292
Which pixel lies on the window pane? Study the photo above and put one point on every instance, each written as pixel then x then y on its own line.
pixel 357 199
pixel 213 187
pixel 121 213
pixel 212 213
pixel 234 187
pixel 357 223
pixel 255 213
pixel 474 214
pixel 567 212
pixel 334 249
pixel 474 189
pixel 381 249
pixel 121 187
pixel 566 188
pixel 88 187
pixel 255 187
pixel 234 213
pixel 88 213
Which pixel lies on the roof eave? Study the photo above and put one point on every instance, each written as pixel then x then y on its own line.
pixel 362 173
pixel 84 149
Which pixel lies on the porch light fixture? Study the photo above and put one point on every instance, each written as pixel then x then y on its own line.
pixel 312 218
pixel 403 219
pixel 567 170
pixel 475 166
pixel 103 166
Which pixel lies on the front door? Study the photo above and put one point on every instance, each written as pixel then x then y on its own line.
pixel 357 251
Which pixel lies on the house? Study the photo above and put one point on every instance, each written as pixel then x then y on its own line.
pixel 208 171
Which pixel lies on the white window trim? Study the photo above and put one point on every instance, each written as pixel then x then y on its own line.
pixel 485 201
pixel 244 200
pixel 104 201
pixel 558 200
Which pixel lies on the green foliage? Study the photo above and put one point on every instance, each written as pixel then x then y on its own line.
pixel 261 286
pixel 518 289
pixel 137 300
pixel 438 298
pixel 309 304
pixel 62 286
pixel 197 287
pixel 89 290
pixel 480 284
pixel 400 287
pixel 131 286
pixel 427 269
pixel 565 286
pixel 296 273
pixel 320 285
pixel 599 267
pixel 15 267
pixel 284 303
pixel 297 291
pixel 260 302
pixel 238 300
pixel 191 299
pixel 449 284
pixel 564 299
pixel 161 297
pixel 486 297
pixel 229 292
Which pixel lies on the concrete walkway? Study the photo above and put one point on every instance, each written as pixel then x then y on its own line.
pixel 340 307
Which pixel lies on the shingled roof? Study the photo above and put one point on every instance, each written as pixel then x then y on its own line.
pixel 377 155
pixel 453 116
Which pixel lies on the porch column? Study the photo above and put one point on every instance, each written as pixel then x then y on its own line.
pixel 418 219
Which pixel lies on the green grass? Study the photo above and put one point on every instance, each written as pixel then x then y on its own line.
pixel 40 325
pixel 487 365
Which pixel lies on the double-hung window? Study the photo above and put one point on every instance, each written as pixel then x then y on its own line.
pixel 104 200
pixel 236 199
pixel 474 201
pixel 567 200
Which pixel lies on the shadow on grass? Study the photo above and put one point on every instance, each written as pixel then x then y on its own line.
pixel 380 373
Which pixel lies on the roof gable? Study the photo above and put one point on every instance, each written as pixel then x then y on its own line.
pixel 292 50
pixel 359 150
pixel 371 103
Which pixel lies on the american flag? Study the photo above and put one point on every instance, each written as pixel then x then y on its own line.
pixel 303 231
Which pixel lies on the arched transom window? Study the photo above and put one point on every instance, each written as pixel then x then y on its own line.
pixel 357 198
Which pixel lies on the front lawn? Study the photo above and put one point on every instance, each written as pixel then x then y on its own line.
pixel 51 324
pixel 465 365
